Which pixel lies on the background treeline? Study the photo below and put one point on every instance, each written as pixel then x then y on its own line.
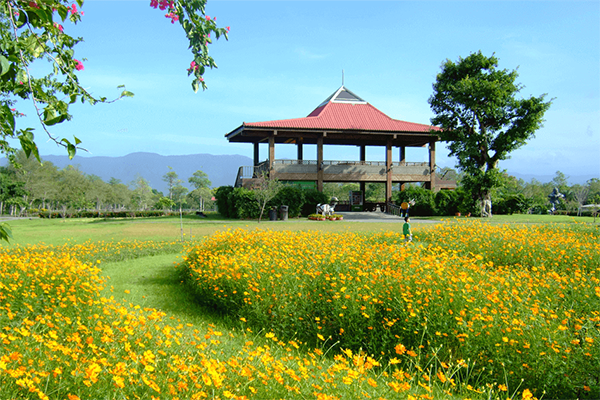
pixel 44 189
pixel 514 196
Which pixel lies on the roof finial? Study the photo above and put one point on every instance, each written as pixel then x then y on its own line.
pixel 342 77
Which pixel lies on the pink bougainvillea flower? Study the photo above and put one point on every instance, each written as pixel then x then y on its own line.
pixel 33 4
pixel 73 9
pixel 59 26
pixel 153 3
pixel 79 66
pixel 193 66
pixel 163 4
pixel 207 18
pixel 228 29
pixel 174 17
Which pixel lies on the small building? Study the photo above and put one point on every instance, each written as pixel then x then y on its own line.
pixel 342 119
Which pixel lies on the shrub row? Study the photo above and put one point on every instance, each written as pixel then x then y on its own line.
pixel 450 202
pixel 103 214
pixel 241 202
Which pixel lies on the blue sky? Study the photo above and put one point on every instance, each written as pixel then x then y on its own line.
pixel 283 58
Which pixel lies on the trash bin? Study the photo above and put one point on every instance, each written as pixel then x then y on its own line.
pixel 283 213
pixel 273 214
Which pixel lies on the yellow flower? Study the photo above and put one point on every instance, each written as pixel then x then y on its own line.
pixel 400 349
pixel 527 395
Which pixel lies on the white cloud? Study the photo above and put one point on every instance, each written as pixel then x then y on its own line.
pixel 306 54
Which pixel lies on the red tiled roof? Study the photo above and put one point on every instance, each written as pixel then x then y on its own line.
pixel 340 116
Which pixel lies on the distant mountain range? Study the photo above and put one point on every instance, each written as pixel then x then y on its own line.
pixel 221 170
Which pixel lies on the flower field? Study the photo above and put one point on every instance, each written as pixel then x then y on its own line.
pixel 510 313
pixel 60 339
pixel 507 307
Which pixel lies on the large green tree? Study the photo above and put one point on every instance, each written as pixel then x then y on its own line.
pixel 35 31
pixel 476 106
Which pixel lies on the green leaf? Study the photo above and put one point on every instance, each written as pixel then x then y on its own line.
pixel 5 232
pixel 28 143
pixel 127 93
pixel 63 12
pixel 56 120
pixel 71 149
pixel 4 65
pixel 8 117
pixel 44 15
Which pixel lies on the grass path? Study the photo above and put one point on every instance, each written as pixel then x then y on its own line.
pixel 153 282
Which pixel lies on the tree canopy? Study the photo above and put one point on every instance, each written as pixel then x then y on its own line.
pixel 32 32
pixel 482 120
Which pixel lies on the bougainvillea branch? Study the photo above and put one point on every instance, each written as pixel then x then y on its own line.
pixel 198 27
pixel 33 31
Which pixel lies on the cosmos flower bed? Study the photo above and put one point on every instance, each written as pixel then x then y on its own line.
pixel 61 339
pixel 518 306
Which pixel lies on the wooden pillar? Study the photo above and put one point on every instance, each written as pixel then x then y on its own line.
pixel 299 144
pixel 388 168
pixel 432 164
pixel 320 163
pixel 402 155
pixel 362 185
pixel 256 154
pixel 272 149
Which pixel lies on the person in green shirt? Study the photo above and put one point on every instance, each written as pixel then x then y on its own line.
pixel 406 230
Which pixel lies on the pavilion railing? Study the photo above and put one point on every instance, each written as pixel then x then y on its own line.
pixel 393 209
pixel 341 162
pixel 250 172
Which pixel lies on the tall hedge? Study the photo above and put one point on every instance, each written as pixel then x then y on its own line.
pixel 244 203
pixel 223 203
pixel 424 200
pixel 290 196
pixel 311 199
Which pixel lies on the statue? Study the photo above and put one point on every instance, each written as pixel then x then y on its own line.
pixel 486 208
pixel 327 209
pixel 554 198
